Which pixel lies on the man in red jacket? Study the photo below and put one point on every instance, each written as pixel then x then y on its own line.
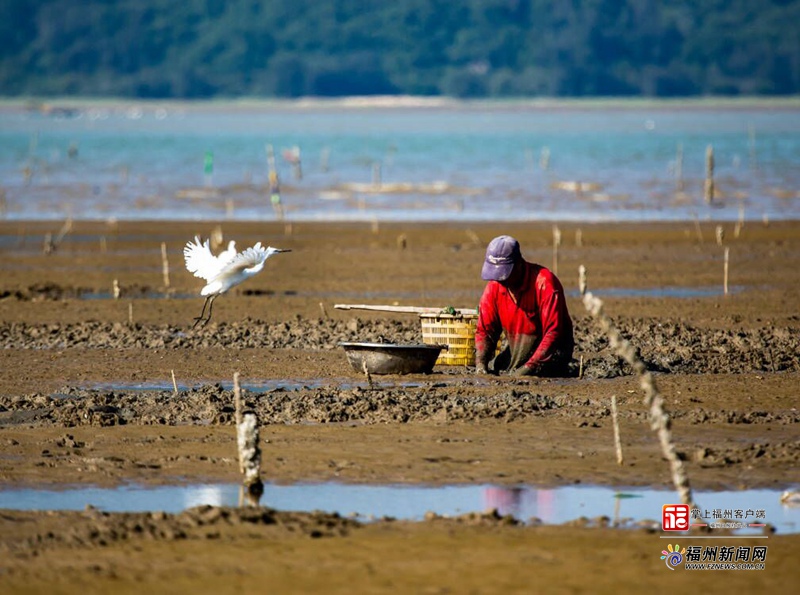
pixel 526 301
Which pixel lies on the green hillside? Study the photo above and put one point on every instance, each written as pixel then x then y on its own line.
pixel 468 48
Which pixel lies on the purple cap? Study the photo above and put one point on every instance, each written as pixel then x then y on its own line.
pixel 501 255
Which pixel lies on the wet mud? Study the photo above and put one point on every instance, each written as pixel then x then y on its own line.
pixel 78 403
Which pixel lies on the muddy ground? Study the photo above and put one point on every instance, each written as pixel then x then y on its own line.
pixel 86 397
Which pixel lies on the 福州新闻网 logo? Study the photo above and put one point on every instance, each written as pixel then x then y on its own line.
pixel 715 557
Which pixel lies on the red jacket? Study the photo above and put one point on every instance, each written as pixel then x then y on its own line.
pixel 536 326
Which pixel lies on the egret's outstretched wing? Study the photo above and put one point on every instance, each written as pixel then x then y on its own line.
pixel 252 257
pixel 200 261
pixel 228 254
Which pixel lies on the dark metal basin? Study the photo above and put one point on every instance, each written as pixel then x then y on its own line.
pixel 388 358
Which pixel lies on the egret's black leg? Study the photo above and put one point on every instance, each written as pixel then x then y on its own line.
pixel 210 306
pixel 202 314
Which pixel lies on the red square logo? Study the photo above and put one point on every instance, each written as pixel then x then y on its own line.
pixel 675 517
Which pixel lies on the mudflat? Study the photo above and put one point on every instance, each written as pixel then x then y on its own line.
pixel 94 328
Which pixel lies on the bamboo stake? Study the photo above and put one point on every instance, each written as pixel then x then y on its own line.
pixel 115 289
pixel 709 186
pixel 324 311
pixel 556 244
pixel 615 420
pixel 376 174
pixel 698 230
pixel 659 419
pixel 208 169
pixel 473 237
pixel 719 233
pixel 278 209
pixel 579 238
pixel 237 401
pixel 739 223
pixel 65 229
pixel 164 264
pixel 130 313
pixel 249 451
pixel 325 156
pixel 297 164
pixel 217 237
pixel 270 159
pixel 725 271
pixel 174 384
pixel 48 246
pixel 367 374
pixel 250 454
pixel 544 158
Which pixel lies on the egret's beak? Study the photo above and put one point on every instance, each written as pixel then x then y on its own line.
pixel 283 249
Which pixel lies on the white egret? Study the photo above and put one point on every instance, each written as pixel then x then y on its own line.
pixel 225 270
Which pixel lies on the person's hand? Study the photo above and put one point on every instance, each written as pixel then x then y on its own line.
pixel 522 371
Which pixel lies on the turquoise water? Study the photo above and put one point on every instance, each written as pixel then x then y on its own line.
pixel 463 163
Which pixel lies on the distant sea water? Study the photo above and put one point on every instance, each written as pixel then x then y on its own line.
pixel 399 162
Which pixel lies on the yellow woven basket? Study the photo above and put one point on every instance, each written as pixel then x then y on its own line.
pixel 457 331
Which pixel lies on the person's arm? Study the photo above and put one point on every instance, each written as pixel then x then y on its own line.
pixel 488 328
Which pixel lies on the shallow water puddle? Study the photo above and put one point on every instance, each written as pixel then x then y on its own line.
pixel 636 292
pixel 631 506
pixel 262 386
pixel 146 295
pixel 658 292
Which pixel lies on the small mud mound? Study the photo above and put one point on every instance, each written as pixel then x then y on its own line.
pixel 299 333
pixel 676 347
pixel 702 416
pixel 665 346
pixel 783 452
pixel 212 404
pixel 491 518
pixel 93 528
pixel 398 405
